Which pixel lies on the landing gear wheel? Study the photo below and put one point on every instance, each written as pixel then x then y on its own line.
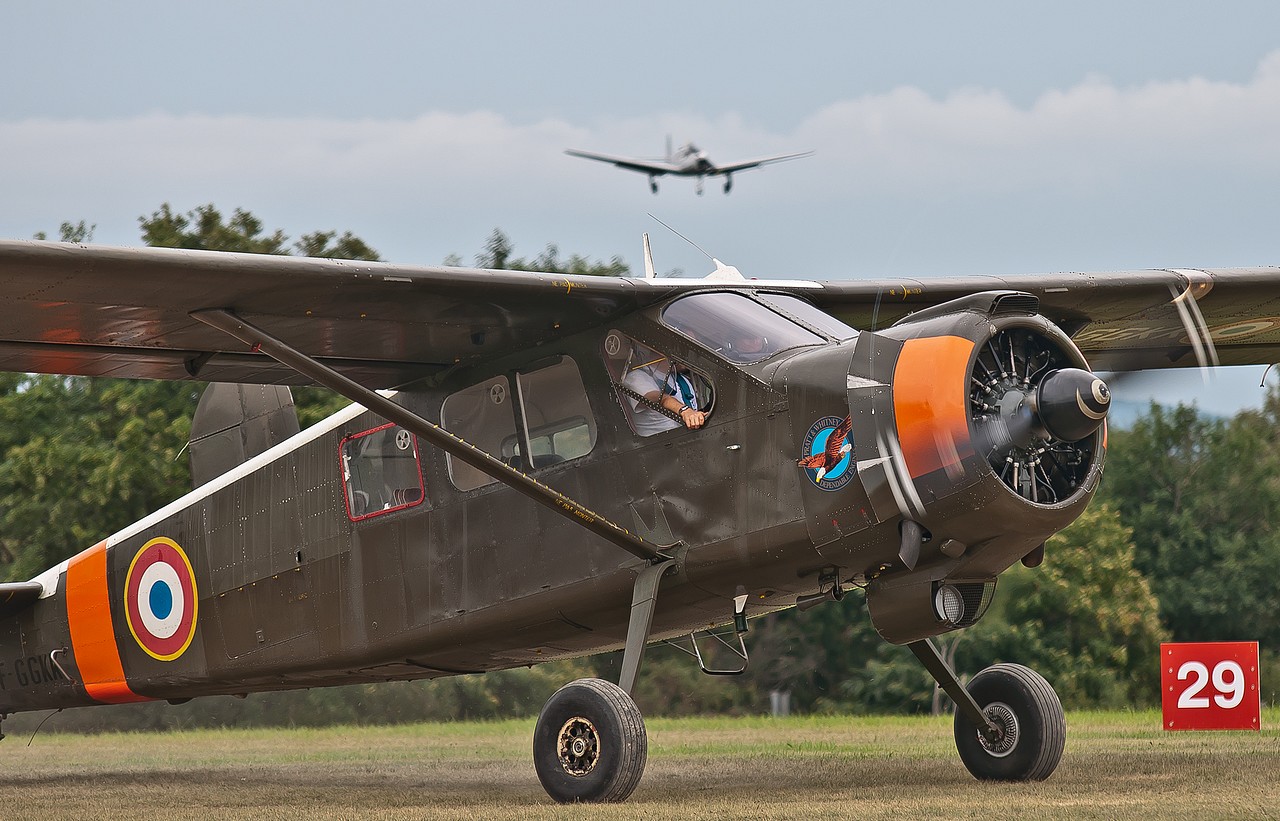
pixel 590 743
pixel 1031 730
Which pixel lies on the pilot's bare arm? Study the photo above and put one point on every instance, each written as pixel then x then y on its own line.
pixel 691 417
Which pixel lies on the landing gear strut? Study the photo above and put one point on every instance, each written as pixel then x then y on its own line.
pixel 1009 724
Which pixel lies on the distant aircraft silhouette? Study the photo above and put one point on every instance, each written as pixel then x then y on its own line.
pixel 687 161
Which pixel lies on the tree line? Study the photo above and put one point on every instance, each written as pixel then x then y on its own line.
pixel 1180 544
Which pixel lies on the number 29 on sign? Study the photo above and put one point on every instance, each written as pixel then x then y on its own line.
pixel 1210 685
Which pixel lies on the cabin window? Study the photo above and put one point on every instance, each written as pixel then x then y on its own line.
pixel 482 415
pixel 381 471
pixel 557 418
pixel 809 315
pixel 735 327
pixel 637 370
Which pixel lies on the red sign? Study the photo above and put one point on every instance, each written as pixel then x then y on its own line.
pixel 1210 686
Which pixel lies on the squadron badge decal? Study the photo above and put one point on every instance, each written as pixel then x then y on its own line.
pixel 160 599
pixel 828 453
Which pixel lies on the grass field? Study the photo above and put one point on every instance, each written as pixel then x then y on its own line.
pixel 1117 765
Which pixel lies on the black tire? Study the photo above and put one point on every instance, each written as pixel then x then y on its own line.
pixel 590 743
pixel 1027 709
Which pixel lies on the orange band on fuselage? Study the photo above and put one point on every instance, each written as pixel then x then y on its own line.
pixel 930 397
pixel 93 635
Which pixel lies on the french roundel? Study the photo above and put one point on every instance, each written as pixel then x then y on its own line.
pixel 160 599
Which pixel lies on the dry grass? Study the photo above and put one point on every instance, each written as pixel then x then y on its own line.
pixel 1116 766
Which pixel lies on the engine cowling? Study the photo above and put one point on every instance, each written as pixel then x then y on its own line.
pixel 1022 465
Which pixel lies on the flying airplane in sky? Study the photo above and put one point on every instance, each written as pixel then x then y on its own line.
pixel 686 161
pixel 541 466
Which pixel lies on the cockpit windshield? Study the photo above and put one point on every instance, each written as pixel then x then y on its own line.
pixel 737 328
pixel 809 315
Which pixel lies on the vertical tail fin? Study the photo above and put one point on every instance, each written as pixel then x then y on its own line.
pixel 233 423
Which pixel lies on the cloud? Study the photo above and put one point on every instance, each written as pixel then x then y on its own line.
pixel 1090 134
pixel 1091 131
pixel 437 183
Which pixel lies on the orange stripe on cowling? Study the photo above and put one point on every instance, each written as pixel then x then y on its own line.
pixel 93 635
pixel 930 397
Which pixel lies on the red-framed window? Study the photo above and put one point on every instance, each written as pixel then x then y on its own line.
pixel 381 472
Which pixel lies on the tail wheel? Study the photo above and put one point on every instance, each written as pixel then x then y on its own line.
pixel 1030 728
pixel 590 743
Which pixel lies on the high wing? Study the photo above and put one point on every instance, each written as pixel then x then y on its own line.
pixel 1122 320
pixel 732 168
pixel 127 312
pixel 654 167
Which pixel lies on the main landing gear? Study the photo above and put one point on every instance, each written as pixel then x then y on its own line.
pixel 1009 723
pixel 1029 728
pixel 590 743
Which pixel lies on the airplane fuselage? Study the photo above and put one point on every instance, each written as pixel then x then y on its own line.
pixel 354 552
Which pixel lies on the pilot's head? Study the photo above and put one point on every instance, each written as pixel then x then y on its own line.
pixel 746 343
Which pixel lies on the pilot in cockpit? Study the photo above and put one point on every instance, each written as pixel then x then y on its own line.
pixel 652 382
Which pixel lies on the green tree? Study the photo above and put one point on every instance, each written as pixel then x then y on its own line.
pixel 71 232
pixel 498 252
pixel 1202 497
pixel 204 229
pixel 828 658
pixel 81 458
pixel 84 458
pixel 322 244
pixel 1086 619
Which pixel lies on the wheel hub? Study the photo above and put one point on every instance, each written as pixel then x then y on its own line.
pixel 578 746
pixel 1000 740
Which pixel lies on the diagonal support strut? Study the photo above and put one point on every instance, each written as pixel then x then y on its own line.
pixel 937 667
pixel 226 321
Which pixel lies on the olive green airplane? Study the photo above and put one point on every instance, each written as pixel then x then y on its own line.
pixel 540 466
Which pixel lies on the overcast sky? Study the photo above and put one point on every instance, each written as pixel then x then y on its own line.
pixel 951 138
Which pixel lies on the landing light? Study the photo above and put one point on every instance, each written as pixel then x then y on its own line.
pixel 948 604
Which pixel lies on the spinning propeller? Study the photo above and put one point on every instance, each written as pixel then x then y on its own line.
pixel 1034 414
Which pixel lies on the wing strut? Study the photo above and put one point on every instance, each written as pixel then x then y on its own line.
pixel 231 324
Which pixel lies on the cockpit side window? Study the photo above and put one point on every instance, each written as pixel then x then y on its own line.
pixel 735 327
pixel 639 372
